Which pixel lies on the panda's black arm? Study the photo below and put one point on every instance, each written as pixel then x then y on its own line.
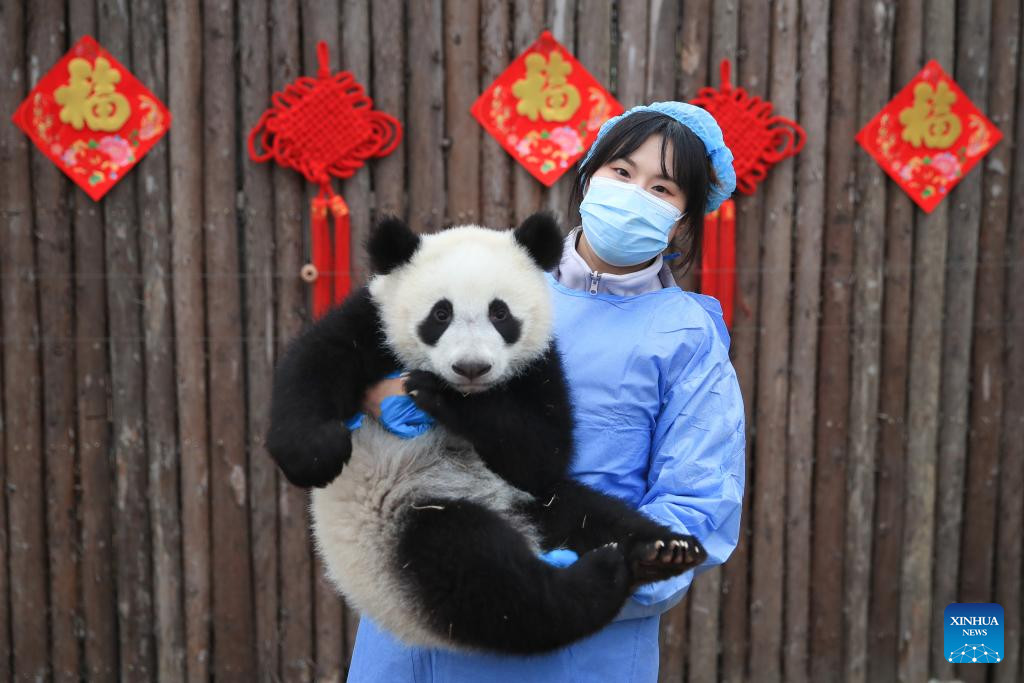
pixel 521 430
pixel 319 382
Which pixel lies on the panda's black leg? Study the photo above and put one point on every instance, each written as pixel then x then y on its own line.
pixel 484 588
pixel 581 518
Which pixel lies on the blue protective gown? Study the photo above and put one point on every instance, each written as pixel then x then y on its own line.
pixel 660 424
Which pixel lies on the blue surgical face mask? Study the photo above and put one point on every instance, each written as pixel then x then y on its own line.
pixel 625 224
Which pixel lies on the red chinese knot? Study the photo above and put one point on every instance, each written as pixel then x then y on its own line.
pixel 758 139
pixel 325 127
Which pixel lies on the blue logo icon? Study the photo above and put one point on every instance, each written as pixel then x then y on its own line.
pixel 973 633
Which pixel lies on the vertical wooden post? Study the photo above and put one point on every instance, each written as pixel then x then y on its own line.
pixel 631 73
pixel 919 539
pixel 22 392
pixel 561 21
pixel 149 58
pixel 291 228
pixel 1011 479
pixel 495 163
pixel 47 41
pixel 355 57
pixel 971 71
pixel 257 210
pixel 866 340
pixel 388 26
pixel 124 299
pixel 98 599
pixel 961 538
pixel 810 218
pixel 233 633
pixel 751 73
pixel 320 21
pixel 980 552
pixel 773 368
pixel 734 608
pixel 883 635
pixel 527 23
pixel 692 55
pixel 185 144
pixel 462 132
pixel 356 50
pixel 425 121
pixel 834 356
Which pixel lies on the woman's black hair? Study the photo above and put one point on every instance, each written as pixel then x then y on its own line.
pixel 691 170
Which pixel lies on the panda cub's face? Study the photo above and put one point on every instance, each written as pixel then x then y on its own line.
pixel 470 305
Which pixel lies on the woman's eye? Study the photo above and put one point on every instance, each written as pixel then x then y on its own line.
pixel 660 189
pixel 621 172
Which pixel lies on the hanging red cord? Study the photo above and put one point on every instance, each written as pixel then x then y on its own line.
pixel 324 128
pixel 758 140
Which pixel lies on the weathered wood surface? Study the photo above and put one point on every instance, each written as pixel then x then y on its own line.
pixel 147 535
pixel 883 630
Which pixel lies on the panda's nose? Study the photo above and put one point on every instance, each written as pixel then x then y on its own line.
pixel 471 370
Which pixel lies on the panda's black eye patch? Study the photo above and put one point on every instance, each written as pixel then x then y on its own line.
pixel 507 325
pixel 437 321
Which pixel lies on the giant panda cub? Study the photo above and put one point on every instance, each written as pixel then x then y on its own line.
pixel 437 537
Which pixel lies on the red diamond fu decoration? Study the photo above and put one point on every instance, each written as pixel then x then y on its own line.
pixel 92 117
pixel 545 109
pixel 929 136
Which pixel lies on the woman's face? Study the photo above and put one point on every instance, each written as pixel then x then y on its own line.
pixel 643 167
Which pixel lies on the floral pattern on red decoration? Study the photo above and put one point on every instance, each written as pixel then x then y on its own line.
pixel 324 128
pixel 545 109
pixel 92 117
pixel 929 136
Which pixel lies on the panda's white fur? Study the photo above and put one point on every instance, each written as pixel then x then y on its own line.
pixel 356 517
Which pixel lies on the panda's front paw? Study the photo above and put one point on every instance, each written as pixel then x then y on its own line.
pixel 427 390
pixel 316 457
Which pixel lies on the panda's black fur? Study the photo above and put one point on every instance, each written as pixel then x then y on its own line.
pixel 437 537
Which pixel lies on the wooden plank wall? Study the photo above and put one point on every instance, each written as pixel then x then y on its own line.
pixel 146 535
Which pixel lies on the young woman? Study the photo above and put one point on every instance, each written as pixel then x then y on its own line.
pixel 658 411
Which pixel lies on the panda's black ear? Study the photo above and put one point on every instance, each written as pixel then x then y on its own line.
pixel 542 237
pixel 391 244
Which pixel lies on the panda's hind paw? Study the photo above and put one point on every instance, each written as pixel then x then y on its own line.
pixel 659 559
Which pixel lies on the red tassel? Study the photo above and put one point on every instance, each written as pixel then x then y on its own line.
pixel 322 257
pixel 342 264
pixel 718 258
pixel 709 255
pixel 727 255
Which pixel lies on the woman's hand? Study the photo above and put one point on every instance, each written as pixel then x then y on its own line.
pixel 380 391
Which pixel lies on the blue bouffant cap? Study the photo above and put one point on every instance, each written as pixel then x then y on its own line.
pixel 705 127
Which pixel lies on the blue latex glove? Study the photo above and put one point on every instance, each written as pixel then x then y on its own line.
pixel 560 557
pixel 399 415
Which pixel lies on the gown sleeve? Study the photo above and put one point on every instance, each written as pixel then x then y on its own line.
pixel 696 476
